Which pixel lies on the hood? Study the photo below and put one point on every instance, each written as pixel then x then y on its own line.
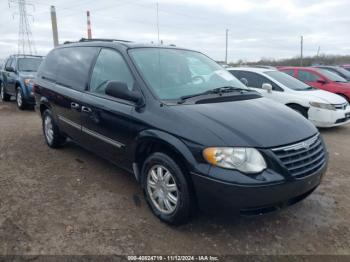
pixel 27 74
pixel 323 96
pixel 259 123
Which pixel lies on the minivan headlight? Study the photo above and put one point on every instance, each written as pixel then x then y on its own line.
pixel 322 105
pixel 246 160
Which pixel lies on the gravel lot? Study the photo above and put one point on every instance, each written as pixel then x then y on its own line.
pixel 70 201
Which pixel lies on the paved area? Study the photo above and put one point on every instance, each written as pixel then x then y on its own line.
pixel 70 201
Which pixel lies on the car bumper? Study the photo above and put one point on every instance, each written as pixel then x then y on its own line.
pixel 29 96
pixel 329 118
pixel 214 195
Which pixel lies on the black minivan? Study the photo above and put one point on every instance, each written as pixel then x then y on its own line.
pixel 191 133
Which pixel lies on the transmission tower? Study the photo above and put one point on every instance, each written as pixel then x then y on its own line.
pixel 26 43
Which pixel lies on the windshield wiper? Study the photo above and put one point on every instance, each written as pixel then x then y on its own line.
pixel 219 90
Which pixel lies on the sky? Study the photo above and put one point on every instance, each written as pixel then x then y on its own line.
pixel 257 28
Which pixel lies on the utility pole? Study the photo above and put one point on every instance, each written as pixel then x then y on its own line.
pixel 54 26
pixel 226 46
pixel 25 38
pixel 301 50
pixel 158 22
pixel 88 24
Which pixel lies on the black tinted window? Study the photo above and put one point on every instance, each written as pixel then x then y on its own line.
pixel 48 68
pixel 254 80
pixel 110 65
pixel 74 65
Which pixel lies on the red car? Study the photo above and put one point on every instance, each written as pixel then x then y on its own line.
pixel 321 79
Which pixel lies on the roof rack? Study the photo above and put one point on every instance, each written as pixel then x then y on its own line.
pixel 103 40
pixel 27 55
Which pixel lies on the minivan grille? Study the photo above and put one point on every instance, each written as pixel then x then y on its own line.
pixel 304 158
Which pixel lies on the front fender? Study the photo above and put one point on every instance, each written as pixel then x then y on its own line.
pixel 174 143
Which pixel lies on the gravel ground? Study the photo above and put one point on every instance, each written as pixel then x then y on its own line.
pixel 70 201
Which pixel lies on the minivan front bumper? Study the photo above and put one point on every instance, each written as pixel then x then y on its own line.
pixel 252 199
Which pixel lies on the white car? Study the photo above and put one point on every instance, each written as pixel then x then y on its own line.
pixel 322 108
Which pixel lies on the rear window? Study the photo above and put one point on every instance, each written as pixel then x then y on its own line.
pixel 47 69
pixel 69 66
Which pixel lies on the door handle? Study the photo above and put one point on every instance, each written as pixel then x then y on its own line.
pixel 86 109
pixel 74 105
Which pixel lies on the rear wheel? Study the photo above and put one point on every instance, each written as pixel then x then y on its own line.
pixel 299 109
pixel 4 97
pixel 166 189
pixel 53 136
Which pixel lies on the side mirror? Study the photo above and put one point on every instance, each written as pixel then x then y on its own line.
pixel 267 87
pixel 244 81
pixel 120 90
pixel 9 69
pixel 321 81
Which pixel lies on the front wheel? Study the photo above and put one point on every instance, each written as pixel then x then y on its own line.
pixel 4 97
pixel 21 104
pixel 166 189
pixel 53 136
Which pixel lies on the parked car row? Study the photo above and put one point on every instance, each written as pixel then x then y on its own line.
pixel 322 108
pixel 320 78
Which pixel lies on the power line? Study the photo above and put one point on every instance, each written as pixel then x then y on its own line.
pixel 26 43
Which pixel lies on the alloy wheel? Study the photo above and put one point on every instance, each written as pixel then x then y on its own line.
pixel 19 98
pixel 2 91
pixel 162 189
pixel 48 127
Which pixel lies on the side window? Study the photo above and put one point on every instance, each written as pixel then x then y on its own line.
pixel 48 67
pixel 254 80
pixel 307 76
pixel 236 74
pixel 8 62
pixel 74 65
pixel 289 72
pixel 110 65
pixel 13 63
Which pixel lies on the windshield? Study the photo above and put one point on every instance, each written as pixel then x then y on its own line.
pixel 331 76
pixel 288 80
pixel 175 73
pixel 29 64
pixel 342 71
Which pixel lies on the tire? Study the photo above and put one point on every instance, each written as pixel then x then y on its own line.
pixel 184 207
pixel 21 103
pixel 299 109
pixel 52 134
pixel 4 97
